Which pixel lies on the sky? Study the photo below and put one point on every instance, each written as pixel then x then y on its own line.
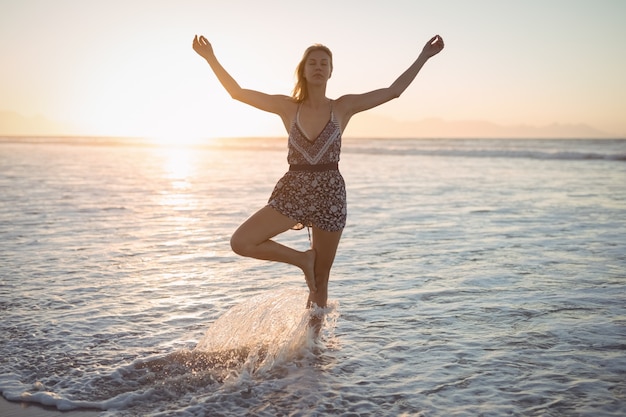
pixel 126 67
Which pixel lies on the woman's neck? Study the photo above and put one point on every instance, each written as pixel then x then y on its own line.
pixel 317 98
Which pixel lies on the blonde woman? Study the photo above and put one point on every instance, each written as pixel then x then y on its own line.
pixel 312 193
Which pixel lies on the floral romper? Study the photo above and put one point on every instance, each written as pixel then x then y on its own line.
pixel 313 192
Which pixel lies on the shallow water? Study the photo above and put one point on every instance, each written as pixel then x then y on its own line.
pixel 476 277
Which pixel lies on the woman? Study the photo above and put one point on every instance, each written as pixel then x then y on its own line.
pixel 312 193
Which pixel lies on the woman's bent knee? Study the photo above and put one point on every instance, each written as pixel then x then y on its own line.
pixel 239 245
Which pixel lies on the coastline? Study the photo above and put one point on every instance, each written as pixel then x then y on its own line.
pixel 25 409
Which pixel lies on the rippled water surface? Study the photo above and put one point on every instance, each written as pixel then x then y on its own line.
pixel 473 278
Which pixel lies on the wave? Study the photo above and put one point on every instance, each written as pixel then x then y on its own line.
pixel 539 149
pixel 493 153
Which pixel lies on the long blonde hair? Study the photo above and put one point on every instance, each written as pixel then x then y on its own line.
pixel 300 91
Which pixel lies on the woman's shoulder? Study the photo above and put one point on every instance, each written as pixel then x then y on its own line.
pixel 289 110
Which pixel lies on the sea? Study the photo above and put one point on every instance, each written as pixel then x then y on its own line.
pixel 475 277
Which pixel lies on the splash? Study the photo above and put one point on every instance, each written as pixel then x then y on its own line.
pixel 271 339
pixel 271 328
pixel 253 337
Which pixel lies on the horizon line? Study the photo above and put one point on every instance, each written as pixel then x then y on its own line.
pixel 156 140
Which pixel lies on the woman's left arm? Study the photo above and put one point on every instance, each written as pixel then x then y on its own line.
pixel 356 103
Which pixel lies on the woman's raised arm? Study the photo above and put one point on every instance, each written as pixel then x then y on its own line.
pixel 270 103
pixel 356 103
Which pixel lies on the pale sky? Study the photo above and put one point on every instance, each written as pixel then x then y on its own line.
pixel 126 67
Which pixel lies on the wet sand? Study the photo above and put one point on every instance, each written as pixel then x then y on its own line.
pixel 13 409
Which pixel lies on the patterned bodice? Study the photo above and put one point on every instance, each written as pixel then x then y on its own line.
pixel 325 149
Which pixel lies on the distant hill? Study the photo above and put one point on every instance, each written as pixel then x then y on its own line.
pixel 381 126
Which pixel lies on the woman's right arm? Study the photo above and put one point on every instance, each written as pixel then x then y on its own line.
pixel 278 104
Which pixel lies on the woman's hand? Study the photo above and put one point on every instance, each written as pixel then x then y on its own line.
pixel 202 46
pixel 433 46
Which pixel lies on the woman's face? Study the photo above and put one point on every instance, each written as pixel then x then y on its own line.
pixel 318 67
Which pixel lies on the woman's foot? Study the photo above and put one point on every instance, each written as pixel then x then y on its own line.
pixel 309 269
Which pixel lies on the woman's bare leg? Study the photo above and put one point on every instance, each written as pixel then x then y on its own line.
pixel 325 245
pixel 253 239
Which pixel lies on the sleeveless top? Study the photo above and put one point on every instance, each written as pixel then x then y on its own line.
pixel 313 197
pixel 324 149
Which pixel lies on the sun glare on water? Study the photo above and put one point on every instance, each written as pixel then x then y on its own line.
pixel 180 141
pixel 179 167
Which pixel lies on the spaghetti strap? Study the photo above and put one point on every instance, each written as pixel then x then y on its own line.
pixel 296 121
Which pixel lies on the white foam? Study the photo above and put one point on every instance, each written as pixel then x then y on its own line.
pixel 269 328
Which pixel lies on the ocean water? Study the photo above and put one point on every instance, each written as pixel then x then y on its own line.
pixel 474 278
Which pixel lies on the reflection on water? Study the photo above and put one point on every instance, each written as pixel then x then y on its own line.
pixel 179 166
